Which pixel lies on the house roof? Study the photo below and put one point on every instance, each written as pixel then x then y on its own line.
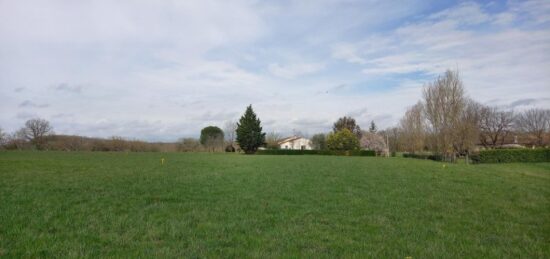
pixel 288 139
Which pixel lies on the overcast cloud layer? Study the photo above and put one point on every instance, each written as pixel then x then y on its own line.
pixel 161 70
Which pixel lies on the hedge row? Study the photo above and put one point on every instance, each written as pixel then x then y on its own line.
pixel 512 156
pixel 424 156
pixel 317 152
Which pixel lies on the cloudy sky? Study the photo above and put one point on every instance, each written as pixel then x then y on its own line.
pixel 161 70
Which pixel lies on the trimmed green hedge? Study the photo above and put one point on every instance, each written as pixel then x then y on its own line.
pixel 512 156
pixel 316 152
pixel 424 156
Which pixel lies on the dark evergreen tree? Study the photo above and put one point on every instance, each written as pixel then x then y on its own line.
pixel 249 132
pixel 373 128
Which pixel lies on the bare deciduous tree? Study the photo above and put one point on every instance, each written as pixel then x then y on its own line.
pixel 18 140
pixel 35 131
pixel 230 129
pixel 272 140
pixel 494 126
pixel 74 143
pixel 444 102
pixel 393 138
pixel 319 141
pixel 413 128
pixel 535 122
pixel 117 143
pixel 467 131
pixel 214 143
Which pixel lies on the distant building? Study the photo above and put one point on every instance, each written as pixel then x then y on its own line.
pixel 295 143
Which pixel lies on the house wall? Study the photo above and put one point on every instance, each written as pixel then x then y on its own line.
pixel 296 144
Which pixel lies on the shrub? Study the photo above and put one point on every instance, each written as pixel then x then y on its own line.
pixel 142 146
pixel 318 152
pixel 435 157
pixel 229 148
pixel 189 145
pixel 67 143
pixel 117 143
pixel 512 156
pixel 342 140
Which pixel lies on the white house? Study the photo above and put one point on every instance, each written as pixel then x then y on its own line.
pixel 296 143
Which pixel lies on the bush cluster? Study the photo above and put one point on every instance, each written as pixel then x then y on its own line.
pixel 424 156
pixel 318 152
pixel 512 156
pixel 342 140
pixel 117 144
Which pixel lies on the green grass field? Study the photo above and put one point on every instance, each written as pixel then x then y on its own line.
pixel 55 204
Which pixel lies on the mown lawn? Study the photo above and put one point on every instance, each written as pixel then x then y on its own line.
pixel 55 204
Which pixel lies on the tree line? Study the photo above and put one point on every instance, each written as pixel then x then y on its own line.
pixel 448 122
pixel 445 122
pixel 246 135
pixel 37 134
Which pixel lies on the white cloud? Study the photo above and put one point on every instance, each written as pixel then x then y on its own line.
pixel 31 104
pixel 291 71
pixel 504 18
pixel 347 52
pixel 193 24
pixel 533 12
pixel 468 13
pixel 510 63
pixel 69 88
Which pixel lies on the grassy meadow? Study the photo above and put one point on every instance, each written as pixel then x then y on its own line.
pixel 71 204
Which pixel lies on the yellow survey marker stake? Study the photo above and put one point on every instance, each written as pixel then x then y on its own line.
pixel 162 161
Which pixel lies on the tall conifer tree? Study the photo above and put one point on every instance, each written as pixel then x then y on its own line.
pixel 249 132
pixel 373 128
